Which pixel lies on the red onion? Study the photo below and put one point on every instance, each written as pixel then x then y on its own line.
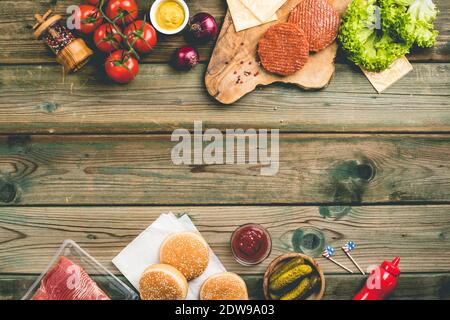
pixel 202 28
pixel 186 58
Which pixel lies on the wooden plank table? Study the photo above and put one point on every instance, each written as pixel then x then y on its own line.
pixel 86 159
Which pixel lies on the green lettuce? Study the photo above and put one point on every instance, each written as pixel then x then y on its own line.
pixel 371 48
pixel 410 21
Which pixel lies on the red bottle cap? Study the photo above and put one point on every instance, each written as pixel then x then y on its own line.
pixel 392 267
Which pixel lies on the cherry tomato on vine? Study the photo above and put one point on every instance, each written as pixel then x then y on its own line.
pixel 141 35
pixel 121 67
pixel 123 11
pixel 90 18
pixel 107 38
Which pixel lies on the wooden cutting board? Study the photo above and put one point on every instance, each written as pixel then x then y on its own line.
pixel 234 70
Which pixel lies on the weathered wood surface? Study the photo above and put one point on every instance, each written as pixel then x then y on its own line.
pixel 430 286
pixel 316 170
pixel 18 45
pixel 418 234
pixel 122 169
pixel 39 99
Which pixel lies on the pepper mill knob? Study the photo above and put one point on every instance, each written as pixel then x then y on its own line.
pixel 41 19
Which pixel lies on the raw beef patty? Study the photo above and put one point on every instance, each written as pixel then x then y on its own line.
pixel 319 20
pixel 283 49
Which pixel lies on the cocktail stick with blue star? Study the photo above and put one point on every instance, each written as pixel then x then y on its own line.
pixel 349 246
pixel 328 253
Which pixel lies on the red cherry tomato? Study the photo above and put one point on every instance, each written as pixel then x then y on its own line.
pixel 107 38
pixel 141 35
pixel 125 11
pixel 90 18
pixel 121 67
pixel 92 2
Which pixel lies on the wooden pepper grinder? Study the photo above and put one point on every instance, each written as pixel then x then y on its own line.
pixel 71 52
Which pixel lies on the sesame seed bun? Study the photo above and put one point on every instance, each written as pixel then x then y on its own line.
pixel 224 286
pixel 162 282
pixel 186 251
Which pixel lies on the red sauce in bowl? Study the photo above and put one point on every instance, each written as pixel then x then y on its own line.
pixel 250 244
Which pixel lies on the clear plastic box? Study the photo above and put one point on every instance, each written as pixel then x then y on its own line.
pixel 109 283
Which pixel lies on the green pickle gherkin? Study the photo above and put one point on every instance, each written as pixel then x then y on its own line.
pixel 284 267
pixel 290 276
pixel 274 296
pixel 304 287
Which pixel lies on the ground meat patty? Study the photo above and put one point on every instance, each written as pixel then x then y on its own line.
pixel 319 20
pixel 283 49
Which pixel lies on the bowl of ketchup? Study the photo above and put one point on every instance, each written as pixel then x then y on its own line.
pixel 250 244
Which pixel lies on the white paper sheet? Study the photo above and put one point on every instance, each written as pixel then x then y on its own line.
pixel 143 251
pixel 263 9
pixel 243 18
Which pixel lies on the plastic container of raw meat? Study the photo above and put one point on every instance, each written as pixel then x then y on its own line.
pixel 113 287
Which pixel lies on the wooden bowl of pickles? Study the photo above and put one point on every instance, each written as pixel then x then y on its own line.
pixel 294 276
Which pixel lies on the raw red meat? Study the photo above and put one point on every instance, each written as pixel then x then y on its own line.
pixel 283 49
pixel 319 20
pixel 68 281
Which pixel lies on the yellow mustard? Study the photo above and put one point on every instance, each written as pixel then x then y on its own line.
pixel 170 15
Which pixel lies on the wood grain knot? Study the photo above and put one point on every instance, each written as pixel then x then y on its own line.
pixel 8 192
pixel 91 236
pixel 335 212
pixel 365 172
pixel 354 170
pixel 49 107
pixel 310 241
pixel 349 180
pixel 18 140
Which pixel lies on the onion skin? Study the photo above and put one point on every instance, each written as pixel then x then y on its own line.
pixel 202 28
pixel 185 58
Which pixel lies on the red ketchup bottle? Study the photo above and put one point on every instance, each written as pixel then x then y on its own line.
pixel 381 281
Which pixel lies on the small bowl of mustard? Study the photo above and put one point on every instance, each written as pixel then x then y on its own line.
pixel 169 16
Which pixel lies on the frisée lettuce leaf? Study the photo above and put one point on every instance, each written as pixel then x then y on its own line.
pixel 366 45
pixel 410 20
